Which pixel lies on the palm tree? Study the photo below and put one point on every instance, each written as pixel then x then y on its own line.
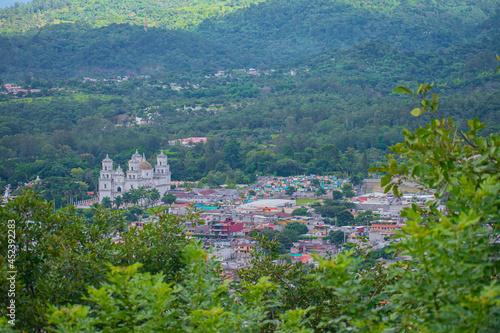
pixel 134 196
pixel 118 202
pixel 142 193
pixel 106 202
pixel 154 195
pixel 127 198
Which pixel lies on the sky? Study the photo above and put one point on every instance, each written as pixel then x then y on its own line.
pixel 7 3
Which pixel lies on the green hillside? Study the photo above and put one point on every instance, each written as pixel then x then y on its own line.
pixel 282 31
pixel 266 35
pixel 68 50
pixel 381 66
pixel 182 14
pixel 172 14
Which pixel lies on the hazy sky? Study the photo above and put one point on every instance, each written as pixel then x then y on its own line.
pixel 7 3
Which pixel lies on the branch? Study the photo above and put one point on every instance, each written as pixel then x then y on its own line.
pixel 287 285
pixel 466 140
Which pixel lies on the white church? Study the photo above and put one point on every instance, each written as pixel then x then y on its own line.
pixel 114 182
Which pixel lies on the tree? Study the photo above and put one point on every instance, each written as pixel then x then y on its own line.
pixel 463 171
pixel 290 190
pixel 152 196
pixel 232 153
pixel 106 202
pixel 364 218
pixel 57 254
pixel 127 198
pixel 77 174
pixel 285 241
pixel 315 182
pixel 134 213
pixel 300 212
pixel 118 201
pixel 356 179
pixel 298 227
pixel 336 237
pixel 347 191
pixel 337 195
pixel 139 301
pixel 345 217
pixel 320 192
pixel 168 198
pixel 293 235
pixel 252 193
pixel 332 208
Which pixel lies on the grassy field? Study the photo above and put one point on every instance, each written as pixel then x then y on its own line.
pixel 305 201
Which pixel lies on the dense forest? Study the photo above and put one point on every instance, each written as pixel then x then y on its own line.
pixel 172 14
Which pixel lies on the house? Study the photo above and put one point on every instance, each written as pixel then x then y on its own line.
pixel 189 142
pixel 226 229
pixel 245 248
pixel 300 257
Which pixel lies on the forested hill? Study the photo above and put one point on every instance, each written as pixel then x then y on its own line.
pixel 379 66
pixel 171 14
pixel 68 50
pixel 285 30
pixel 181 14
pixel 263 36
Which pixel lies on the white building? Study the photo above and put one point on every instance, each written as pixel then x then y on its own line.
pixel 114 182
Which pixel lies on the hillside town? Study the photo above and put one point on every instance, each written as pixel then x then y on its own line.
pixel 307 214
pixel 230 218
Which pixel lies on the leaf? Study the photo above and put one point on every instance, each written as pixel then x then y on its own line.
pixel 417 112
pixel 396 191
pixel 435 98
pixel 402 90
pixel 386 179
pixel 388 188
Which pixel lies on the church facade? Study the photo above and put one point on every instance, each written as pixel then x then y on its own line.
pixel 140 173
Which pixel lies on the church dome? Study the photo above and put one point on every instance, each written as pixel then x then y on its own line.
pixel 145 166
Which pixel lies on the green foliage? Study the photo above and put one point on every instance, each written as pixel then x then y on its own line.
pixel 174 15
pixel 113 50
pixel 336 237
pixel 300 212
pixel 345 217
pixel 133 301
pixel 60 254
pixel 462 168
pixel 169 198
pixel 320 192
pixel 290 190
pixel 298 27
pixel 337 195
pixel 333 208
pixel 347 191
pixel 298 227
pixel 364 218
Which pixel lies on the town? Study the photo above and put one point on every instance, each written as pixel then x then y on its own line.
pixel 290 209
